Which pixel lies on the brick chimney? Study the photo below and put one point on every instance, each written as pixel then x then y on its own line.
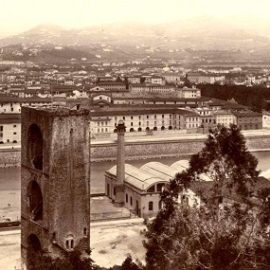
pixel 120 168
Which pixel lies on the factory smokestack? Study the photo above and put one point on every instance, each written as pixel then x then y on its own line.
pixel 120 169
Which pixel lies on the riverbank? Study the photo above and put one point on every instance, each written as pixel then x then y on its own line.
pixel 167 144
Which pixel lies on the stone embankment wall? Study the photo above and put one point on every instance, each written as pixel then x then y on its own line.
pixel 143 149
pixel 10 158
pixel 167 148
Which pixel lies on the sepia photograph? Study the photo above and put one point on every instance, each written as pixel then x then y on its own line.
pixel 134 135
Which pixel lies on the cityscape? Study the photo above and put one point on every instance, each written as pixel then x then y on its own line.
pixel 135 142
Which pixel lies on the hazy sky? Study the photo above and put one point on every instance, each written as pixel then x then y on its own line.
pixel 19 15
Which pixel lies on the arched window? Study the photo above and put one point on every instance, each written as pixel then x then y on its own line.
pixel 170 127
pixel 151 189
pixel 160 187
pixel 33 243
pixel 147 129
pixel 34 250
pixel 162 128
pixel 35 200
pixel 69 242
pixel 131 130
pixel 150 206
pixel 139 129
pixel 35 146
pixel 155 128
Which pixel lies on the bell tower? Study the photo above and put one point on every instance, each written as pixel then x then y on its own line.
pixel 55 181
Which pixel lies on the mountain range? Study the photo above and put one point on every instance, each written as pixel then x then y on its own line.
pixel 197 34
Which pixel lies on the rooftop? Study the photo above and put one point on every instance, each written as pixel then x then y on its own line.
pixel 56 110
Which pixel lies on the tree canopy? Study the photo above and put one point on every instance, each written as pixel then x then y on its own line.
pixel 228 226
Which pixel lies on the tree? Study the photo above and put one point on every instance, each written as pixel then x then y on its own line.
pixel 73 261
pixel 229 227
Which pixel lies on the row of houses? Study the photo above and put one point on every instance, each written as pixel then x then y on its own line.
pixel 160 119
pixel 149 119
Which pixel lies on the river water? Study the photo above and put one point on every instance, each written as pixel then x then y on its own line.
pixel 10 183
pixel 10 177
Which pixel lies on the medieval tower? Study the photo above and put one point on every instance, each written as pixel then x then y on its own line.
pixel 55 181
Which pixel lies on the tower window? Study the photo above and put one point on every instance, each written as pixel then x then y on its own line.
pixel 35 200
pixel 35 146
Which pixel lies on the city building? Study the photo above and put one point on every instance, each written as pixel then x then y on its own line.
pixel 248 120
pixel 143 119
pixel 10 128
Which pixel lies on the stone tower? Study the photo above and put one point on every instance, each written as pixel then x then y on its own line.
pixel 55 181
pixel 120 167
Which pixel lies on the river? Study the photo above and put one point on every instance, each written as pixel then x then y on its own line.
pixel 10 183
pixel 10 177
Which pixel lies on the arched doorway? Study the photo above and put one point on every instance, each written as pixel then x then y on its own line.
pixel 162 128
pixel 35 146
pixel 34 252
pixel 35 200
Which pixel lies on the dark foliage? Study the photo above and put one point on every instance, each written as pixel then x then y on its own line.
pixel 230 228
pixel 254 97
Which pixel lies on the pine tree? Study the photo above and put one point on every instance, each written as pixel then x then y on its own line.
pixel 229 228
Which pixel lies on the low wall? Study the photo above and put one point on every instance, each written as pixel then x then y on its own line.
pixel 10 158
pixel 167 148
pixel 143 149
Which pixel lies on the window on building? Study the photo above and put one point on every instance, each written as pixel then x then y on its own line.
pixel 150 206
pixel 131 124
pixel 131 117
pixel 14 133
pixel 131 201
pixel 162 115
pixel 14 126
pixel 160 187
pixel 126 198
pixel 151 189
pixel 1 128
pixel 159 204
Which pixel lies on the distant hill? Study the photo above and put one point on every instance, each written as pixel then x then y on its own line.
pixel 176 40
pixel 197 33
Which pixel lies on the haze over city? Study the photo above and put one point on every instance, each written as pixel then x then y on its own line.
pixel 18 16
